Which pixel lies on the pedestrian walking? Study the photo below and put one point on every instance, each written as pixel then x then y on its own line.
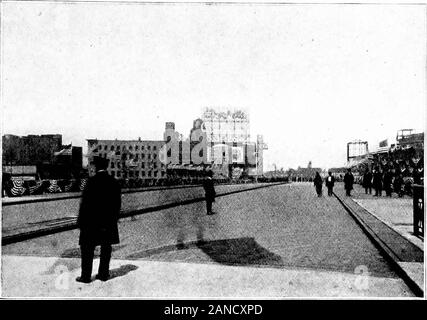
pixel 97 220
pixel 367 182
pixel 330 181
pixel 348 182
pixel 318 182
pixel 210 194
pixel 378 182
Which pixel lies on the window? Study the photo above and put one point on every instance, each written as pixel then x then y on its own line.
pixel 154 156
pixel 130 148
pixel 105 148
pixel 143 165
pixel 117 148
pixel 112 165
pixel 112 148
pixel 136 148
pixel 142 148
pixel 154 148
pixel 142 156
pixel 149 173
pixel 149 148
pixel 149 156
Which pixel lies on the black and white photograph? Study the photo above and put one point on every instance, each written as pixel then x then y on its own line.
pixel 212 150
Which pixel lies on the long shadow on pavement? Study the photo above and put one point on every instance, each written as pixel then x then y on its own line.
pixel 237 252
pixel 240 251
pixel 122 271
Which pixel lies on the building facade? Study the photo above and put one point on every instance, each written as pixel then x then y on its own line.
pixel 46 153
pixel 130 158
pixel 31 149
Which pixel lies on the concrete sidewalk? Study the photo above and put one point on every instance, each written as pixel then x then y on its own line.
pixel 396 212
pixel 388 222
pixel 55 277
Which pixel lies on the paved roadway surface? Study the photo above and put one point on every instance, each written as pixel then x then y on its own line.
pixel 279 241
pixel 27 216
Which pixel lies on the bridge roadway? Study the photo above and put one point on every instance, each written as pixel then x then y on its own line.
pixel 277 241
pixel 31 213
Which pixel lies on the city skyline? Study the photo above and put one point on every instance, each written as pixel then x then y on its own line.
pixel 123 71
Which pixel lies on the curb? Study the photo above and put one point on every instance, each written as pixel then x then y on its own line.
pixel 79 195
pixel 384 249
pixel 125 214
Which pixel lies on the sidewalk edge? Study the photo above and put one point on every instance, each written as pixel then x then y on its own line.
pixel 385 250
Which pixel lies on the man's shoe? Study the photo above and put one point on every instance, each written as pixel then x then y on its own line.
pixel 102 278
pixel 211 213
pixel 83 280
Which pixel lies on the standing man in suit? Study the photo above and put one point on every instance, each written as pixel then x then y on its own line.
pixel 367 181
pixel 97 220
pixel 348 182
pixel 378 182
pixel 208 185
pixel 330 181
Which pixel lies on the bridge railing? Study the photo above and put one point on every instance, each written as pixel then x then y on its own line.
pixel 418 204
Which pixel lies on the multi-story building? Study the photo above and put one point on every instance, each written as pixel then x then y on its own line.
pixel 31 149
pixel 46 153
pixel 229 144
pixel 130 158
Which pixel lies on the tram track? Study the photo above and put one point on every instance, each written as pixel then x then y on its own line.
pixel 56 226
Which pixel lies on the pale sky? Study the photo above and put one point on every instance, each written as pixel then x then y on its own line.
pixel 313 77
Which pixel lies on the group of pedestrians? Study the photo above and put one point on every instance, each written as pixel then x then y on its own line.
pixel 388 181
pixel 330 182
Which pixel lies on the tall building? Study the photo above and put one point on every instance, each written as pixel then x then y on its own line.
pixel 130 158
pixel 229 142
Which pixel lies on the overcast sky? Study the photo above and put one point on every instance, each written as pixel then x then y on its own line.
pixel 312 76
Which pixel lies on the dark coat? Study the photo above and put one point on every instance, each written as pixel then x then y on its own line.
pixel 318 181
pixel 348 181
pixel 388 180
pixel 99 211
pixel 367 180
pixel 208 185
pixel 378 180
pixel 329 184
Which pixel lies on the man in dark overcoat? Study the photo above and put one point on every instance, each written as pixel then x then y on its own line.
pixel 97 220
pixel 367 181
pixel 330 181
pixel 210 194
pixel 348 182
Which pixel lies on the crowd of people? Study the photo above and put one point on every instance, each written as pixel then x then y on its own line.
pixel 394 172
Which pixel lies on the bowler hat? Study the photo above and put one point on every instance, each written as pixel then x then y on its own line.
pixel 100 163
